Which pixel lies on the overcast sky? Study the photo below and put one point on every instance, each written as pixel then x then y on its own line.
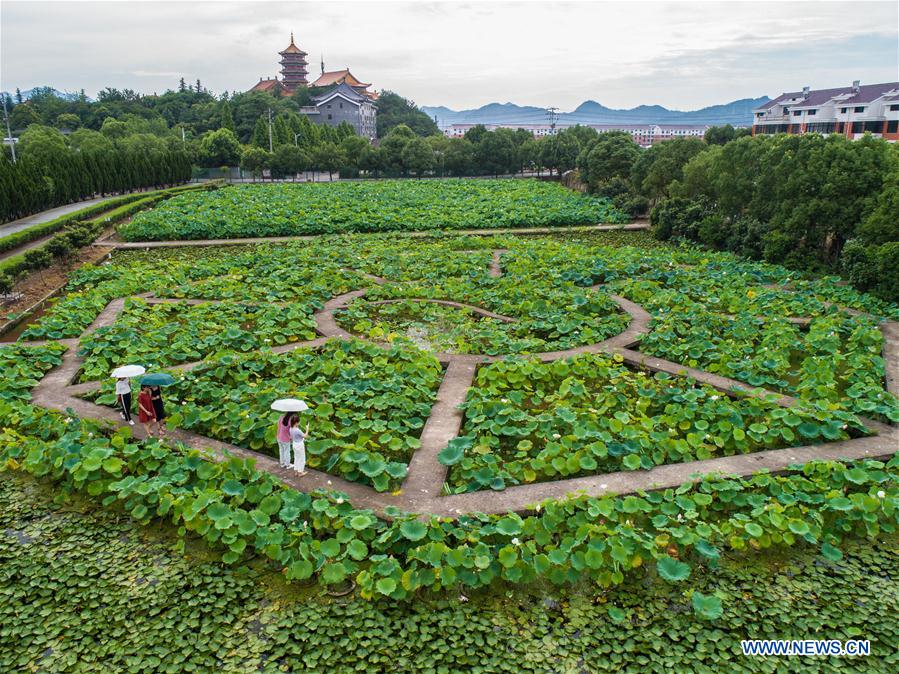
pixel 681 55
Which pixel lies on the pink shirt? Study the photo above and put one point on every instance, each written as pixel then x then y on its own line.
pixel 283 431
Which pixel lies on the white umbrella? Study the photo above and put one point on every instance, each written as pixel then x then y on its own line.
pixel 128 371
pixel 289 405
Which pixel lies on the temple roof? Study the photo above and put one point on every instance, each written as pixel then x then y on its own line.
pixel 292 48
pixel 338 76
pixel 267 85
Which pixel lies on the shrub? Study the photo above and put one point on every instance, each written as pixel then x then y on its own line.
pixel 873 268
pixel 38 258
pixel 679 218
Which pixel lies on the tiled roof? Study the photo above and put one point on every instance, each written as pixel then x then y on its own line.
pixel 336 77
pixel 266 85
pixel 344 90
pixel 866 93
pixel 292 48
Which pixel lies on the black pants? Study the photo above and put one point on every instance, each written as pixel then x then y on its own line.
pixel 125 400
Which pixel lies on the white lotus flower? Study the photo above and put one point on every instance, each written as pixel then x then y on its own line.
pixel 881 494
pixel 515 541
pixel 339 500
pixel 556 436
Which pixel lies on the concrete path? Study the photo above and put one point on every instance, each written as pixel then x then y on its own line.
pixel 415 235
pixel 422 489
pixel 51 214
pixel 426 473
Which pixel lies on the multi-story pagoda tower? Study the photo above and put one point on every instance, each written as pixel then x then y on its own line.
pixel 293 67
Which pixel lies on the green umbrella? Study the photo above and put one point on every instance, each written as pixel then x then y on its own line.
pixel 157 379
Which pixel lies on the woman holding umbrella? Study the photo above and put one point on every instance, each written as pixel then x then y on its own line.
pixel 123 375
pixel 158 409
pixel 152 383
pixel 146 414
pixel 289 435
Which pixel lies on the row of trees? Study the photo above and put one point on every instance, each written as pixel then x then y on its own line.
pixel 194 110
pixel 52 170
pixel 823 204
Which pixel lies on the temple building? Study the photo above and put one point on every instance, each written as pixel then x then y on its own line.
pixel 344 99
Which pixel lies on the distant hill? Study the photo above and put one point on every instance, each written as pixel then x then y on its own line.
pixel 737 113
pixel 65 95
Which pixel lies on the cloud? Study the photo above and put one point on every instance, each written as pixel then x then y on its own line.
pixel 678 54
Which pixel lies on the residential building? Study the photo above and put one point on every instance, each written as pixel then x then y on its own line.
pixel 344 103
pixel 644 135
pixel 849 111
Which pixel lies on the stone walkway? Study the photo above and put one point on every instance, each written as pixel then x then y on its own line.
pixel 112 243
pixel 422 490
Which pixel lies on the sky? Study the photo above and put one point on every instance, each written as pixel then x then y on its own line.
pixel 683 55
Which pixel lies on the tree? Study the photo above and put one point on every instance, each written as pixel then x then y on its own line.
pixel 611 155
pixel 219 148
pixel 254 160
pixel 328 157
pixel 260 134
pixel 182 85
pixel 476 134
pixel 288 160
pixel 68 121
pixel 227 121
pixel 353 147
pixel 559 152
pixel 114 129
pixel 372 160
pixel 43 143
pixel 394 144
pixel 721 135
pixel 394 110
pixel 496 153
pixel 662 164
pixel 23 116
pixel 418 157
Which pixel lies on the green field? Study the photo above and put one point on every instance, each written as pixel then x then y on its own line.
pixel 381 206
pixel 667 579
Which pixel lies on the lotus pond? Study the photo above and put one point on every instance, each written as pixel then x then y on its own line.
pixel 381 206
pixel 525 420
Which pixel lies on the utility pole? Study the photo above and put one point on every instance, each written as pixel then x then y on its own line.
pixel 295 136
pixel 551 114
pixel 270 148
pixel 12 141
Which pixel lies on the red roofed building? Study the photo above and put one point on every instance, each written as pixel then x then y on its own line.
pixel 335 77
pixel 346 98
pixel 849 111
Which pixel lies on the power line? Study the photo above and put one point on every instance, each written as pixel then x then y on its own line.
pixel 551 113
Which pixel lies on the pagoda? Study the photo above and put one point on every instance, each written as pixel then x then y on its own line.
pixel 293 67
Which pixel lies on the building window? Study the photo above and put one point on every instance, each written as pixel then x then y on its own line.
pixel 341 105
pixel 860 108
pixel 329 114
pixel 796 113
pixel 874 127
pixel 857 127
pixel 843 111
pixel 893 126
pixel 894 107
pixel 812 112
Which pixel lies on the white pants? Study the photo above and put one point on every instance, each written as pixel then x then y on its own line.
pixel 299 456
pixel 284 453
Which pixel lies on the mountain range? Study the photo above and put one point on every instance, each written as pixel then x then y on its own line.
pixel 736 113
pixel 65 95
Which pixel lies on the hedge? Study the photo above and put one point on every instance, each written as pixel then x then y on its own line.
pixel 85 231
pixel 35 232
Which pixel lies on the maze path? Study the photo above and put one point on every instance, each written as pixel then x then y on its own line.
pixel 421 491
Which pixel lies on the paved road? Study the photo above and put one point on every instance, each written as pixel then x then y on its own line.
pixel 46 216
